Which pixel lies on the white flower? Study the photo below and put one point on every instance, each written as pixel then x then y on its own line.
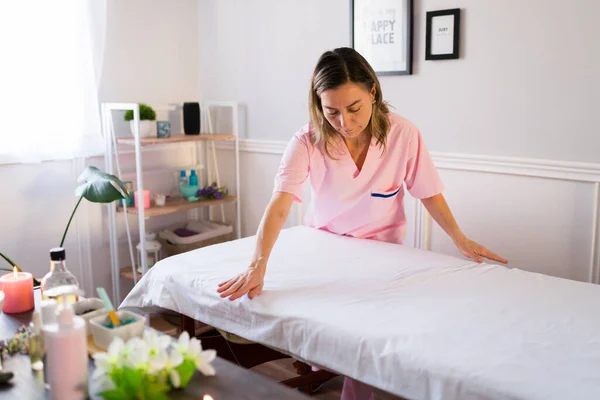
pixel 156 355
pixel 183 343
pixel 106 362
pixel 169 362
pixel 192 350
pixel 137 354
pixel 202 358
pixel 156 343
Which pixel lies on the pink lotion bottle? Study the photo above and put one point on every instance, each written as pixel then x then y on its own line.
pixel 66 355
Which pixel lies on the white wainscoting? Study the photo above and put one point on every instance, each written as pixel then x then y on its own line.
pixel 542 215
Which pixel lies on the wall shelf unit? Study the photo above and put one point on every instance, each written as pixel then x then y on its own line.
pixel 202 144
pixel 177 138
pixel 127 273
pixel 177 204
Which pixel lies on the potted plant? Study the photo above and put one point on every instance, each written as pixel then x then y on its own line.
pixel 95 186
pixel 147 117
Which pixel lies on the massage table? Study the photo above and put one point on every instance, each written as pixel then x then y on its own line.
pixel 409 322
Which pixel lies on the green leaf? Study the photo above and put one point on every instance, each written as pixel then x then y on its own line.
pixel 133 381
pixel 156 391
pixel 157 387
pixel 186 370
pixel 99 187
pixel 116 375
pixel 11 262
pixel 8 260
pixel 113 394
pixel 146 113
pixel 157 396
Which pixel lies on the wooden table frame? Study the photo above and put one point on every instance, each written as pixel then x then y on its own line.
pixel 230 381
pixel 251 355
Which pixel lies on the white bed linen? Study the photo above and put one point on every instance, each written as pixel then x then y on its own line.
pixel 414 323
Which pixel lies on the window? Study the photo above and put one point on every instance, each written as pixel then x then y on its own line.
pixel 49 73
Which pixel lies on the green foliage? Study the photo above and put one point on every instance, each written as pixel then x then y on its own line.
pixel 146 113
pixel 98 187
pixel 95 186
pixel 137 383
pixel 186 371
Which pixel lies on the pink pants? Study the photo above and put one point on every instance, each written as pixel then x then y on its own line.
pixel 354 390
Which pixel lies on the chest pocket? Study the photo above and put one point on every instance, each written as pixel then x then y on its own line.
pixel 384 203
pixel 385 194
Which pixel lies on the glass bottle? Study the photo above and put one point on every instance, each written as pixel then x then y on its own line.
pixel 36 343
pixel 59 280
pixel 48 314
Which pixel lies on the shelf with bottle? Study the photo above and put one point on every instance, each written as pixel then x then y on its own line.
pixel 176 204
pixel 177 138
pixel 190 196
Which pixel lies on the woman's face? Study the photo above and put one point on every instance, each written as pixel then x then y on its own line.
pixel 348 108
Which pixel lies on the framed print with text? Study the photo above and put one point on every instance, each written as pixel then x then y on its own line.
pixel 381 31
pixel 442 34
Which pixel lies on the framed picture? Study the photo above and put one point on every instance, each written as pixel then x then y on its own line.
pixel 381 31
pixel 442 34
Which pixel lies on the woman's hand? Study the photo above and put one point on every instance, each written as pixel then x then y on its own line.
pixel 250 282
pixel 439 210
pixel 475 251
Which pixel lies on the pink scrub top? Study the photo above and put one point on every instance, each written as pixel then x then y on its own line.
pixel 369 203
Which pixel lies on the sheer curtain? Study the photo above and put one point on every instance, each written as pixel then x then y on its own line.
pixel 50 65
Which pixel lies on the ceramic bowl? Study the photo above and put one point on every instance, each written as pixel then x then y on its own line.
pixel 103 335
pixel 88 309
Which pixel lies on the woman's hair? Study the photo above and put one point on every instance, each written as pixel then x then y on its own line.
pixel 335 68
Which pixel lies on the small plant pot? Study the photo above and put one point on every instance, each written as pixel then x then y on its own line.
pixel 146 128
pixel 104 335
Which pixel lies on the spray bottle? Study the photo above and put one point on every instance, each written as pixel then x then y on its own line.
pixel 66 353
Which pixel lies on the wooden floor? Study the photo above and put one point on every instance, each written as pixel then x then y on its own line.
pixel 283 369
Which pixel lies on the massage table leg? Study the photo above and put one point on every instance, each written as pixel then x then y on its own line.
pixel 188 325
pixel 251 355
pixel 308 379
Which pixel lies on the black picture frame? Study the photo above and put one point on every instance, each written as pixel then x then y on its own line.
pixel 386 58
pixel 430 52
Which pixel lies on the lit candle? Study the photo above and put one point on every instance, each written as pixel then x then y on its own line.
pixel 18 292
pixel 207 397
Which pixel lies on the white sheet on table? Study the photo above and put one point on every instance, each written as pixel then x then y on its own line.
pixel 414 323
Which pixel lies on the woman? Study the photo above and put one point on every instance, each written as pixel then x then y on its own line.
pixel 358 156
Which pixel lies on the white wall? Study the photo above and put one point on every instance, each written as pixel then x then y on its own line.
pixel 151 56
pixel 36 206
pixel 526 84
pixel 516 91
pixel 262 52
pixel 151 52
pixel 524 87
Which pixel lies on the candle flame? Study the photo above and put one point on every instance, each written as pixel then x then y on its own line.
pixel 207 397
pixel 15 274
